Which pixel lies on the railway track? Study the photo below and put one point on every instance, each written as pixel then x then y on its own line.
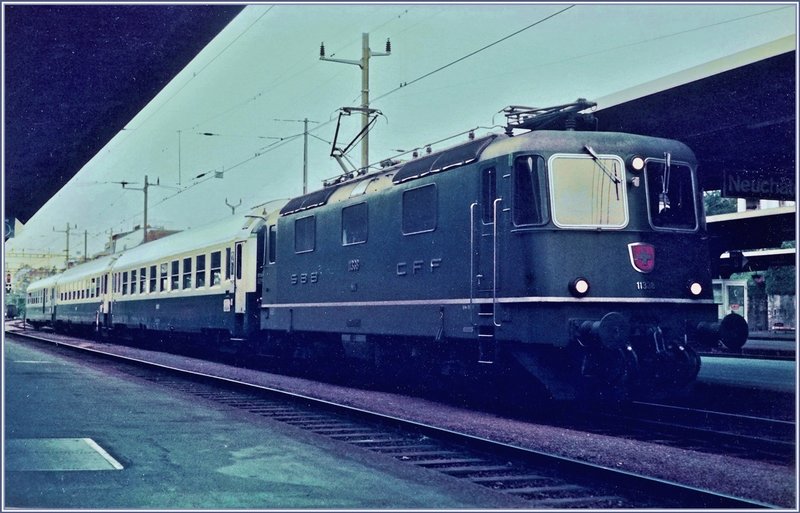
pixel 541 480
pixel 742 436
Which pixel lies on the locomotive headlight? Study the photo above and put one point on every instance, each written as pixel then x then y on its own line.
pixel 579 287
pixel 695 289
pixel 636 163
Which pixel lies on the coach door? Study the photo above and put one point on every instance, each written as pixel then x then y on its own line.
pixel 239 278
pixel 105 293
pixel 270 280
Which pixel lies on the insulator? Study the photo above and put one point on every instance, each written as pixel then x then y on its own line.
pixel 471 135
pixel 428 149
pixel 388 46
pixel 321 50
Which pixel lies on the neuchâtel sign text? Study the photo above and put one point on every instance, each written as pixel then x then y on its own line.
pixel 749 184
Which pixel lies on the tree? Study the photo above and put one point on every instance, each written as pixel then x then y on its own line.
pixel 716 204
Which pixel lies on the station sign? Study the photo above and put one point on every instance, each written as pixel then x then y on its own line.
pixel 758 184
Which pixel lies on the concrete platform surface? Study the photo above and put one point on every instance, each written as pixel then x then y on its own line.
pixel 770 375
pixel 66 423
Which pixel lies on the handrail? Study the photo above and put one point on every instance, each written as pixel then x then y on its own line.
pixel 494 261
pixel 472 259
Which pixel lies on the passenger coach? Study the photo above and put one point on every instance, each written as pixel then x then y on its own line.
pixel 200 281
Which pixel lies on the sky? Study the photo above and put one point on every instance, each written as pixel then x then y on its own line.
pixel 452 67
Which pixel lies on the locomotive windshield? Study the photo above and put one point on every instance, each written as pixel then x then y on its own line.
pixel 670 195
pixel 586 191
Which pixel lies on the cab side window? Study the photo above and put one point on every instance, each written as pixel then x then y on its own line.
pixel 529 191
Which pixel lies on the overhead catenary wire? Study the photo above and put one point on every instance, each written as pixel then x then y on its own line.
pixel 206 65
pixel 282 141
pixel 282 80
pixel 657 38
pixel 479 50
pixel 486 47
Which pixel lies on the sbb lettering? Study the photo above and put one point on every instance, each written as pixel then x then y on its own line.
pixel 304 278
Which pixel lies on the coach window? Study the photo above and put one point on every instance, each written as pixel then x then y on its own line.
pixel 216 268
pixel 200 277
pixel 142 280
pixel 588 191
pixel 153 278
pixel 187 273
pixel 134 280
pixel 164 281
pixel 529 191
pixel 304 234
pixel 419 210
pixel 354 224
pixel 124 283
pixel 175 281
pixel 229 263
pixel 273 240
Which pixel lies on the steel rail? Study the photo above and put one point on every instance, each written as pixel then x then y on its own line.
pixel 627 483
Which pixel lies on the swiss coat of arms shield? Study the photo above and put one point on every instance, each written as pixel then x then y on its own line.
pixel 643 256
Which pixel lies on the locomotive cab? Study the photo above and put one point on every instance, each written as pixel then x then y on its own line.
pixel 603 234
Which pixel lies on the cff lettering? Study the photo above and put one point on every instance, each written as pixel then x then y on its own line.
pixel 417 266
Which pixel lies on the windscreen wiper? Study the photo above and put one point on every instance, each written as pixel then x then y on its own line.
pixel 663 197
pixel 616 181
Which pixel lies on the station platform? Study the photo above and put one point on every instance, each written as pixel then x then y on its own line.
pixel 79 437
pixel 778 376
